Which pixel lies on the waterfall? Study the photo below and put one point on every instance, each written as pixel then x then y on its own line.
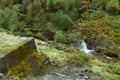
pixel 83 48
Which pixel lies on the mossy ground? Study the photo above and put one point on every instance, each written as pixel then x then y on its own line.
pixel 106 69
pixel 72 56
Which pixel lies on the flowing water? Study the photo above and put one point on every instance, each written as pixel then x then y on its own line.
pixel 83 48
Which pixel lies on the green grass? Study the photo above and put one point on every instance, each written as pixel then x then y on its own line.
pixel 107 70
pixel 72 56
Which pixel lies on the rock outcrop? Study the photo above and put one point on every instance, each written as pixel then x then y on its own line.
pixel 22 59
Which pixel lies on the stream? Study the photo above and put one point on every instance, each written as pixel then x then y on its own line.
pixel 82 46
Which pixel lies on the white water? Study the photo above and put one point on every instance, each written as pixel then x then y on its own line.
pixel 83 48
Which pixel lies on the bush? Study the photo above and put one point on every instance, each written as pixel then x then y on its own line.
pixel 4 17
pixel 5 3
pixel 18 8
pixel 113 6
pixel 64 4
pixel 71 37
pixel 60 36
pixel 79 59
pixel 99 4
pixel 69 4
pixel 15 24
pixel 62 20
pixel 56 4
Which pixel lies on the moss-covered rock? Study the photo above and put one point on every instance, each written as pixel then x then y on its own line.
pixel 20 59
pixel 33 65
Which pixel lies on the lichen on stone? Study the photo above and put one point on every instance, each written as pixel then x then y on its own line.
pixel 21 57
pixel 32 65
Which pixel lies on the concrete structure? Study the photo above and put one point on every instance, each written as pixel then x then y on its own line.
pixel 14 49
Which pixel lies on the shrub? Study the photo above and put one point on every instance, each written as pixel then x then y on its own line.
pixel 4 17
pixel 69 4
pixel 71 37
pixel 18 8
pixel 113 6
pixel 79 59
pixel 62 20
pixel 15 24
pixel 101 4
pixel 43 3
pixel 30 10
pixel 41 16
pixel 60 36
pixel 5 3
pixel 58 4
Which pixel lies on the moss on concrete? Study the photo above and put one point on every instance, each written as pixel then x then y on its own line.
pixel 7 42
pixel 32 65
pixel 20 58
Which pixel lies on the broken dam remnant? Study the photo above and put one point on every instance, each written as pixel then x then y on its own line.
pixel 18 52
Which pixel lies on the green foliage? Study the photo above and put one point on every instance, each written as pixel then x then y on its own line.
pixel 5 14
pixel 6 3
pixel 43 3
pixel 102 32
pixel 30 9
pixel 62 20
pixel 71 37
pixel 79 59
pixel 15 24
pixel 35 16
pixel 64 4
pixel 41 16
pixel 49 4
pixel 113 6
pixel 69 4
pixel 107 70
pixel 114 69
pixel 10 20
pixel 18 8
pixel 101 4
pixel 60 36
pixel 58 4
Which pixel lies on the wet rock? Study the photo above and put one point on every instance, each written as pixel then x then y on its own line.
pixel 79 79
pixel 107 57
pixel 1 75
pixel 81 74
pixel 86 77
pixel 88 70
pixel 53 77
pixel 112 54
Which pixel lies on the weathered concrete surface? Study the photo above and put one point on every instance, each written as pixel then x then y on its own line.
pixel 18 56
pixel 8 42
pixel 13 48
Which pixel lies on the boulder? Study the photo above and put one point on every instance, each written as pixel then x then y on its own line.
pixel 20 59
pixel 16 54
